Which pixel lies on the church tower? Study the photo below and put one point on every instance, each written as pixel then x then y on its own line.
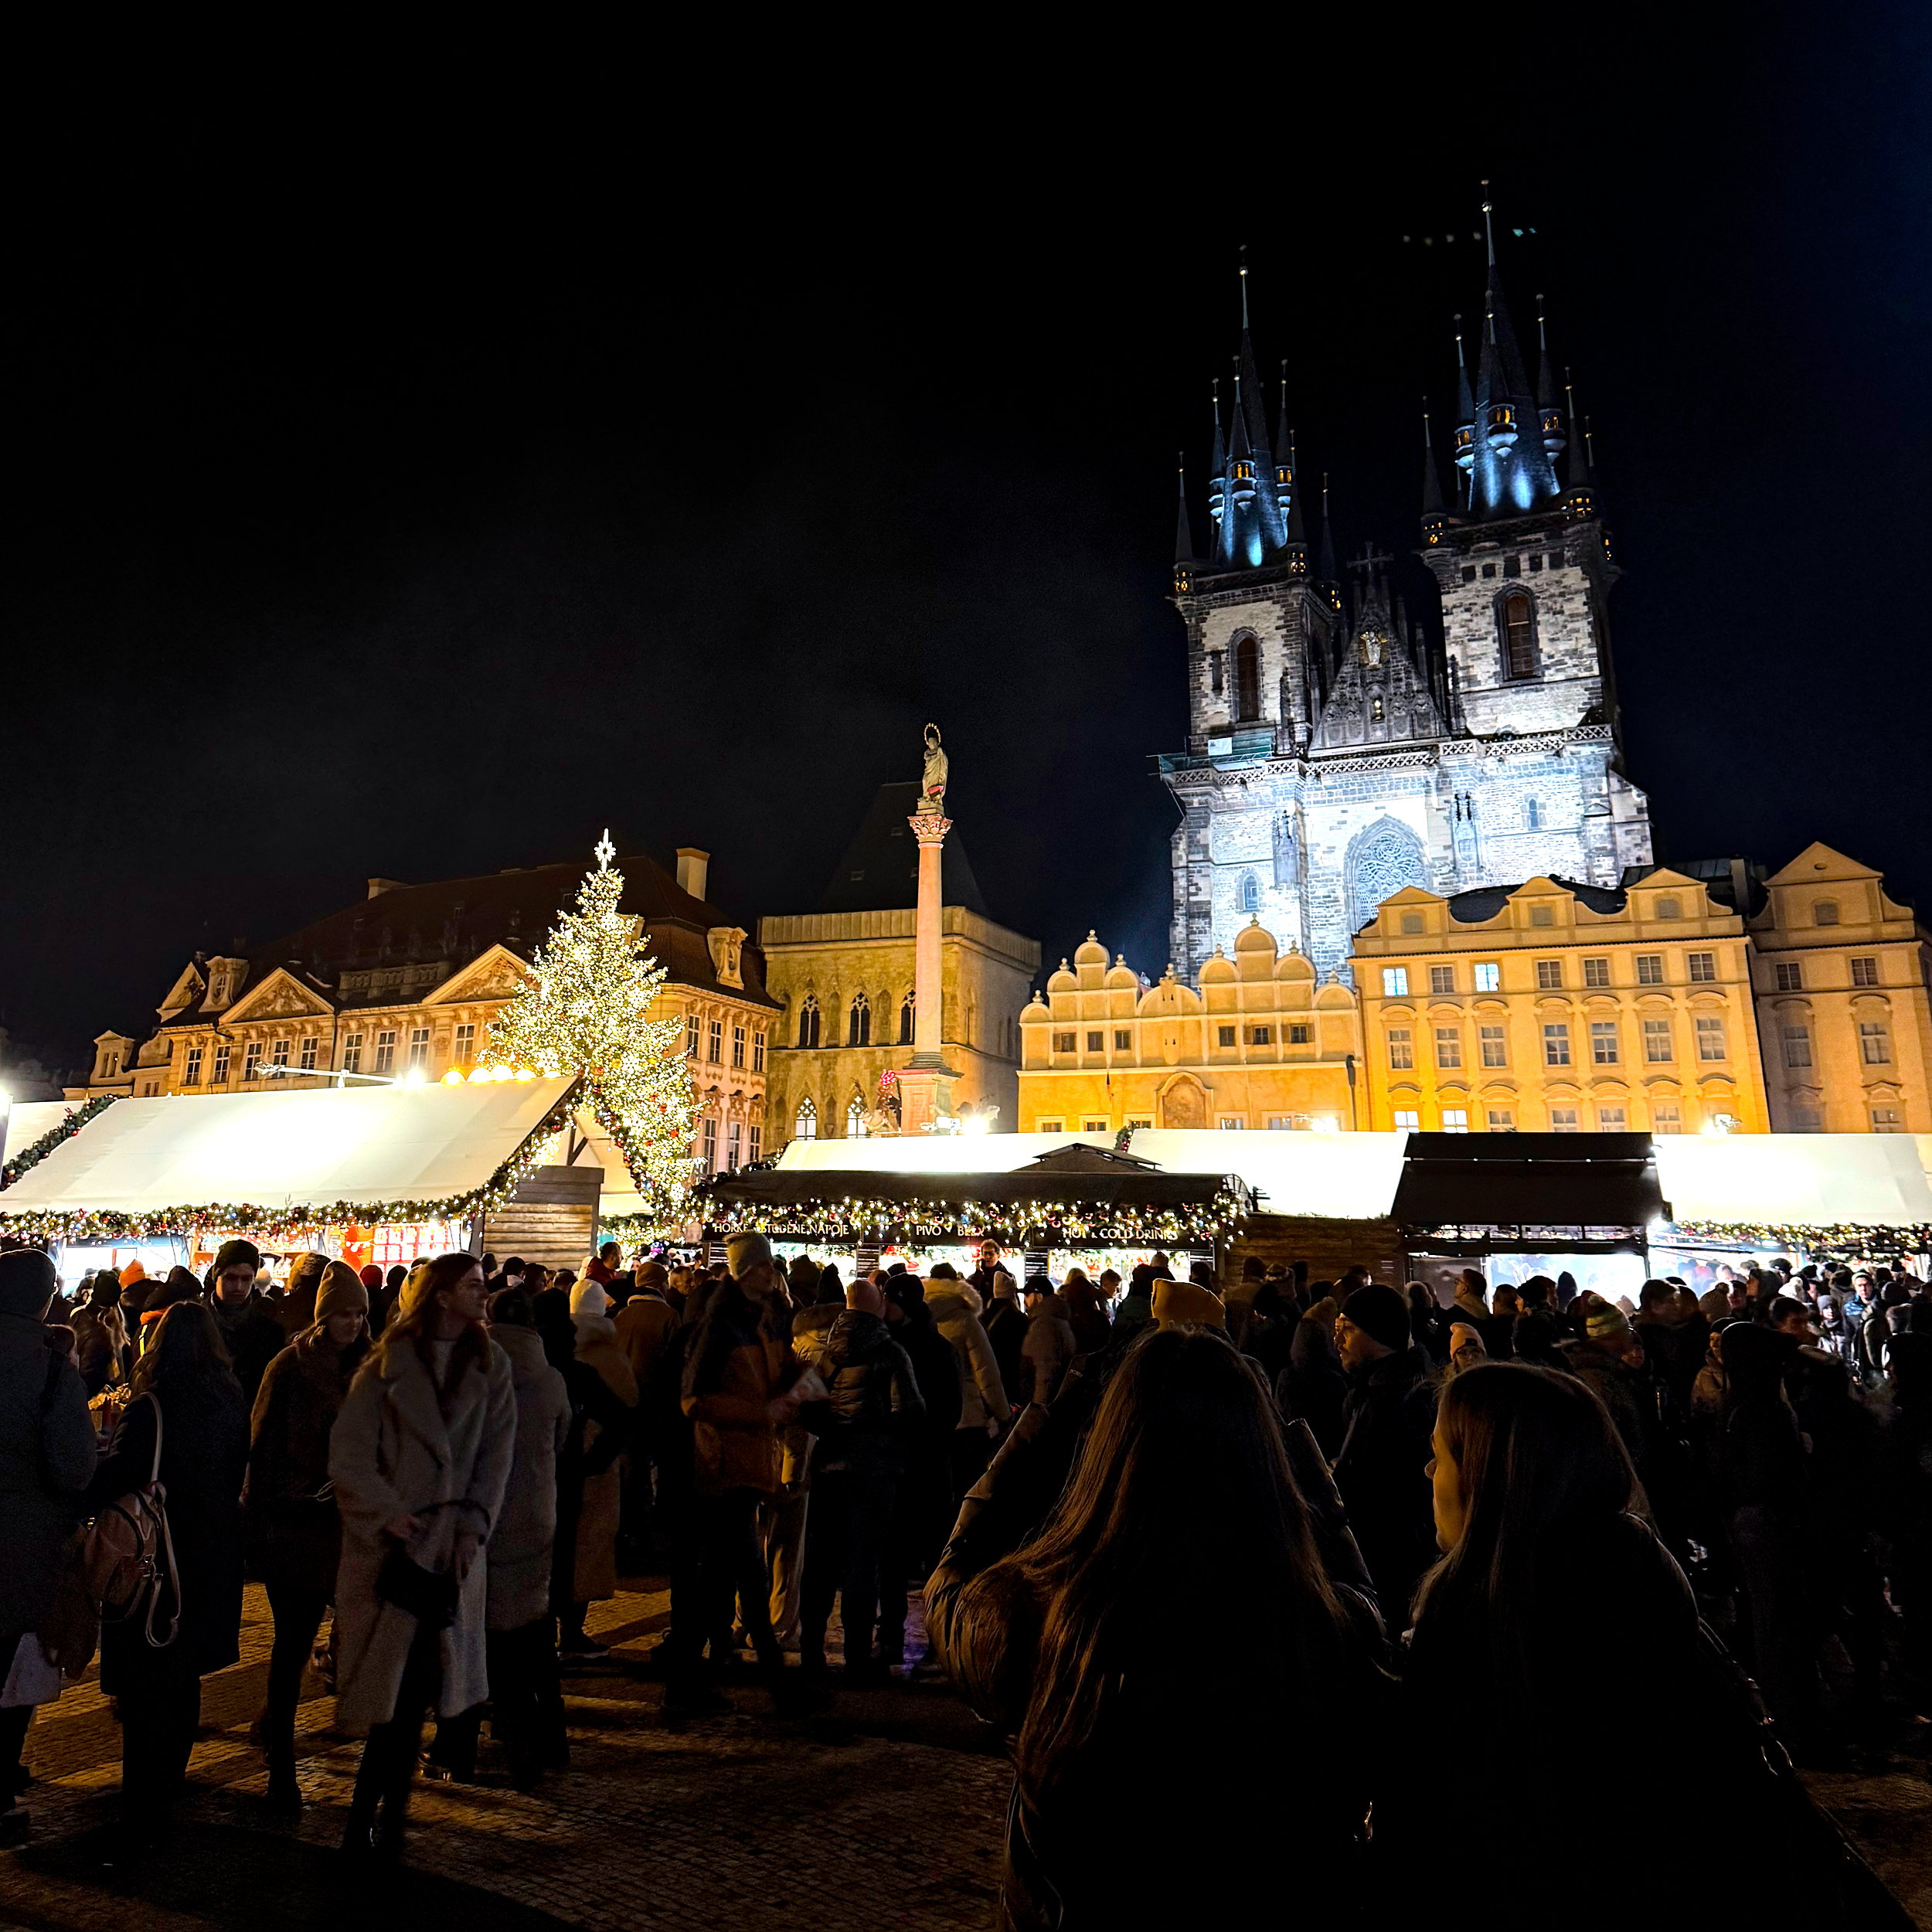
pixel 1335 754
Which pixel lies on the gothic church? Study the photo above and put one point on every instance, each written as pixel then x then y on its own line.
pixel 1335 754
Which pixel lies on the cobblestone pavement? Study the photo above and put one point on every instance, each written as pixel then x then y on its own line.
pixel 884 1810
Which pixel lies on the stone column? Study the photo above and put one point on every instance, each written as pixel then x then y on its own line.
pixel 925 1082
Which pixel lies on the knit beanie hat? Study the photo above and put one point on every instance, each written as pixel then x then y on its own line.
pixel 588 1297
pixel 652 1275
pixel 235 1254
pixel 1187 1301
pixel 340 1293
pixel 1380 1313
pixel 1606 1322
pixel 28 1279
pixel 906 1292
pixel 132 1273
pixel 371 1277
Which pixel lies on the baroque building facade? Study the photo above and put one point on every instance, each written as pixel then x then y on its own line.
pixel 1656 1007
pixel 1337 752
pixel 404 984
pixel 843 976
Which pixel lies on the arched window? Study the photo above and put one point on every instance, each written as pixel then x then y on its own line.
pixel 1533 814
pixel 1247 679
pixel 855 1119
pixel 808 1021
pixel 1516 621
pixel 858 1021
pixel 906 1021
pixel 806 1126
pixel 1381 859
pixel 1249 898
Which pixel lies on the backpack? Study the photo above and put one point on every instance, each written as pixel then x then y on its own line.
pixel 128 1555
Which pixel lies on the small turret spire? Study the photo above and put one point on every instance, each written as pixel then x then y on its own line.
pixel 1297 527
pixel 1434 514
pixel 1488 233
pixel 1579 497
pixel 1326 569
pixel 1217 461
pixel 1184 531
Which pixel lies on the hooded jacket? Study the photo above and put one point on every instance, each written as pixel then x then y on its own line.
pixel 47 1451
pixel 955 1307
pixel 1049 1349
pixel 874 1402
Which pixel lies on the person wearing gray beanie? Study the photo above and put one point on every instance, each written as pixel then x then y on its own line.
pixel 28 1280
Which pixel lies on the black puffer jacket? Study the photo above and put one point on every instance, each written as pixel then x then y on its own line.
pixel 874 1406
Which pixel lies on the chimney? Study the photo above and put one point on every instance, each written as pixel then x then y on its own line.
pixel 379 886
pixel 694 867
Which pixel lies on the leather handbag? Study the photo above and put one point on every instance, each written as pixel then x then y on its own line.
pixel 428 1595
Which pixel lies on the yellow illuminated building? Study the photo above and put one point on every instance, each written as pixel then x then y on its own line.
pixel 1840 972
pixel 1551 1007
pixel 1260 1043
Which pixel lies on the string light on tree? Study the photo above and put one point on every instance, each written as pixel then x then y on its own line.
pixel 585 1010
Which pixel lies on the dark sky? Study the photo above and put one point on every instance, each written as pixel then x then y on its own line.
pixel 413 489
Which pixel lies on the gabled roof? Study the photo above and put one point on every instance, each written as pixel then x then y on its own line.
pixel 1486 902
pixel 880 872
pixel 1817 863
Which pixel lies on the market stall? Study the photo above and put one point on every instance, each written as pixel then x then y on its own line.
pixel 1070 1200
pixel 373 1173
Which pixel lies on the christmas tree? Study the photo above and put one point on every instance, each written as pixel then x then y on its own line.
pixel 586 1010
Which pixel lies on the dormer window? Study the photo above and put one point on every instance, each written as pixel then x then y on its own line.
pixel 1243 472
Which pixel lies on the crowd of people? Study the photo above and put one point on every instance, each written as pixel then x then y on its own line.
pixel 1332 1564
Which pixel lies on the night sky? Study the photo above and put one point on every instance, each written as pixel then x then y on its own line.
pixel 413 490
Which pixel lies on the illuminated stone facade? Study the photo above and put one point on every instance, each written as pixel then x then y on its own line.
pixel 1550 1008
pixel 1260 1042
pixel 1338 751
pixel 1840 972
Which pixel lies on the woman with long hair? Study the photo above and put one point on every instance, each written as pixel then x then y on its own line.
pixel 1556 1648
pixel 419 1458
pixel 184 1392
pixel 295 1534
pixel 1171 1621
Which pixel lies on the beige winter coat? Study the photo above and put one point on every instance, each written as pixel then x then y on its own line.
pixel 956 1306
pixel 391 1454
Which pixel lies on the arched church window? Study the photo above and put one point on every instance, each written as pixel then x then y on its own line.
pixel 808 1021
pixel 855 1119
pixel 1533 814
pixel 806 1126
pixel 858 1021
pixel 1381 860
pixel 906 1021
pixel 1247 679
pixel 1249 898
pixel 1516 616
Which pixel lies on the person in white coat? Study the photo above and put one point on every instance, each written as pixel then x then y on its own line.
pixel 984 1409
pixel 419 1458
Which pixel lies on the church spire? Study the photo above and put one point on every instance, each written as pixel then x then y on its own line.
pixel 1218 482
pixel 1325 572
pixel 1579 499
pixel 1548 409
pixel 1435 516
pixel 1183 539
pixel 1512 472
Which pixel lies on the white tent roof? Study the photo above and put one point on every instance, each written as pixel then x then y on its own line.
pixel 1795 1180
pixel 1767 1179
pixel 25 1121
pixel 1348 1176
pixel 312 1147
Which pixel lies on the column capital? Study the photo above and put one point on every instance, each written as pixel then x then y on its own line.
pixel 930 827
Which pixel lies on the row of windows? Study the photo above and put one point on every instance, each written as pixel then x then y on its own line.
pixel 1487 975
pixel 857 1021
pixel 710 1034
pixel 1605 1039
pixel 1875 1043
pixel 1665 1118
pixel 306 1051
pixel 742 1143
pixel 1296 1033
pixel 1790 974
pixel 1512 567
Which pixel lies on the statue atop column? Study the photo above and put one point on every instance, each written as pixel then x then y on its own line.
pixel 932 783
